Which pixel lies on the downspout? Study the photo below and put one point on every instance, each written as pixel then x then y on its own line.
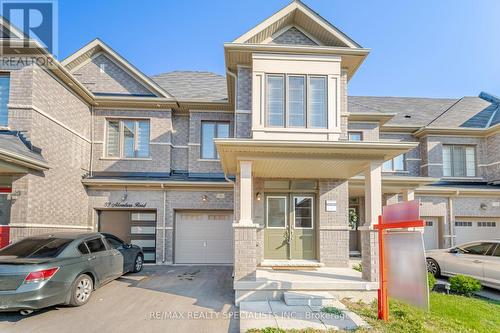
pixel 235 97
pixel 164 222
pixel 452 218
pixel 91 140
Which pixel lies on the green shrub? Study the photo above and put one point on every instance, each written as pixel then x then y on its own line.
pixel 358 267
pixel 331 310
pixel 431 280
pixel 465 285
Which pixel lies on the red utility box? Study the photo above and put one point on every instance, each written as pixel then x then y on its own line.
pixel 4 235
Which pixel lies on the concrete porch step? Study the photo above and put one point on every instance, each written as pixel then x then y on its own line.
pixel 309 298
pixel 291 264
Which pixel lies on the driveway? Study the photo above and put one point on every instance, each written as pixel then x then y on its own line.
pixel 159 299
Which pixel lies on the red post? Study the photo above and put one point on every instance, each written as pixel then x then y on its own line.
pixel 383 301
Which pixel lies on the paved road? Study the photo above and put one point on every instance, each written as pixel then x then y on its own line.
pixel 159 299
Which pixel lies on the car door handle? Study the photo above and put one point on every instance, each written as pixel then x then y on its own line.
pixel 91 258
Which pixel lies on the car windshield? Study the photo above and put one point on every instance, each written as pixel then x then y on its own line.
pixel 36 248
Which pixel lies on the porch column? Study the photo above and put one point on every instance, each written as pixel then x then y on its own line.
pixel 408 195
pixel 245 231
pixel 373 208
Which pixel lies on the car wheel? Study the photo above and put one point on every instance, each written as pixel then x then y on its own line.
pixel 138 263
pixel 81 290
pixel 433 267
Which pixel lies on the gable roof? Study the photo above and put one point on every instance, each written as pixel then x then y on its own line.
pixel 297 13
pixel 193 85
pixel 10 31
pixel 96 47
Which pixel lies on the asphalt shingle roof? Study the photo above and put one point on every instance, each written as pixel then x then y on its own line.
pixel 10 142
pixel 475 112
pixel 193 86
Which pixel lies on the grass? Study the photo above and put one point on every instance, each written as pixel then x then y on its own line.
pixel 448 313
pixel 331 310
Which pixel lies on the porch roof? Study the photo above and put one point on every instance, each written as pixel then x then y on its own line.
pixel 16 156
pixel 306 159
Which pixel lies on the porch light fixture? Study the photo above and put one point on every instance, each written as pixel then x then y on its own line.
pixel 258 196
pixel 204 198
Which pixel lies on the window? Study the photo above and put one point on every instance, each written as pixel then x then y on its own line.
pixel 209 131
pixel 487 224
pixel 396 164
pixel 36 247
pixel 83 248
pixel 463 224
pixel 276 212
pixel 115 243
pixel 459 161
pixel 303 212
pixel 477 249
pixel 497 251
pixel 296 101
pixel 355 136
pixel 127 138
pixel 429 223
pixel 96 245
pixel 4 99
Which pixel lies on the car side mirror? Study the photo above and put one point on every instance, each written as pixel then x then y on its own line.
pixel 455 250
pixel 127 246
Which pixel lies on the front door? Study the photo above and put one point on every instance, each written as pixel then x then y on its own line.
pixel 290 227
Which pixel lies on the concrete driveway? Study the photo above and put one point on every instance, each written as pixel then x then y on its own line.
pixel 159 299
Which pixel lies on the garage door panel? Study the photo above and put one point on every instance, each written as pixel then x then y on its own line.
pixel 431 230
pixel 203 238
pixel 473 229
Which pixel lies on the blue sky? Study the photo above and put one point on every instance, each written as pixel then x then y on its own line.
pixel 427 48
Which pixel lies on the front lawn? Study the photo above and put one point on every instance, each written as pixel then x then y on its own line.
pixel 449 313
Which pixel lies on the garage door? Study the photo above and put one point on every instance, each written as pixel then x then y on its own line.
pixel 134 227
pixel 204 238
pixel 473 229
pixel 431 233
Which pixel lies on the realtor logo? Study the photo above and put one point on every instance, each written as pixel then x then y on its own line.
pixel 37 19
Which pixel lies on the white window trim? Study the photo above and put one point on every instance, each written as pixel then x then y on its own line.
pixel 285 77
pixel 216 122
pixel 312 211
pixel 465 161
pixel 120 138
pixel 286 211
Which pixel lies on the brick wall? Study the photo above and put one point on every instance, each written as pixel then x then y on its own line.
pixel 293 36
pixel 334 226
pixel 112 80
pixel 412 158
pixel 160 142
pixel 370 131
pixel 491 168
pixel 196 164
pixel 343 105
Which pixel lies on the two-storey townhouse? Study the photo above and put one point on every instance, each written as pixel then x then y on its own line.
pixel 270 166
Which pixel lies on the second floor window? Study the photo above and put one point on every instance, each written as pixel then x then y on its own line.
pixel 209 131
pixel 4 99
pixel 296 101
pixel 355 136
pixel 127 138
pixel 459 161
pixel 396 164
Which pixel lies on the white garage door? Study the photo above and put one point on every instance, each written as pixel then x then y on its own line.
pixel 431 233
pixel 473 229
pixel 204 238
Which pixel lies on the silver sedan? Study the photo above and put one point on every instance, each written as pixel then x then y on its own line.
pixel 479 259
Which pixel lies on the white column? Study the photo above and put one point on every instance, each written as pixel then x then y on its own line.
pixel 373 193
pixel 246 191
pixel 408 195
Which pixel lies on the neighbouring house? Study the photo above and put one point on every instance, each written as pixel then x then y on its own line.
pixel 270 165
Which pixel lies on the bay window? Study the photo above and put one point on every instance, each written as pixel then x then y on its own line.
pixel 296 101
pixel 127 138
pixel 459 161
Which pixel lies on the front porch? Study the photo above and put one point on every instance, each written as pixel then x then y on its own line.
pixel 292 209
pixel 272 284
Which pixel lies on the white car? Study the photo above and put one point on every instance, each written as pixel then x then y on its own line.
pixel 479 259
